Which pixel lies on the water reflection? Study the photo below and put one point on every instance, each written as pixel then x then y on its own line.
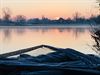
pixel 23 37
pixel 7 34
pixel 7 31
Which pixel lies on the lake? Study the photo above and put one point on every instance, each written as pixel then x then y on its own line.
pixel 13 38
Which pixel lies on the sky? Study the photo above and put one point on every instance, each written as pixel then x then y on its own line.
pixel 52 9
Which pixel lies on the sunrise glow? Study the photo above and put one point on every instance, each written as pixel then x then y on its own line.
pixel 50 8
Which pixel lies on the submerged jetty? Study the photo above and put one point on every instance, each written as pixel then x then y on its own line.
pixel 60 62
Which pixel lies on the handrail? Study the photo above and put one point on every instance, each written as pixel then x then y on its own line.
pixel 19 51
pixel 27 50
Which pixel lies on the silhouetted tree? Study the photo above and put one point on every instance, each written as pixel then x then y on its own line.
pixel 96 36
pixel 34 21
pixel 61 20
pixel 45 20
pixel 20 19
pixel 78 18
pixel 6 14
pixel 97 20
pixel 69 20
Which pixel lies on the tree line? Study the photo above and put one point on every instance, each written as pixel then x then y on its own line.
pixel 21 19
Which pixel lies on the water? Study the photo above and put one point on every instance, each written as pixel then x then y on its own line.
pixel 19 37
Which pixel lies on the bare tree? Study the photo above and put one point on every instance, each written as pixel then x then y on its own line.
pixel 96 36
pixel 76 16
pixel 6 14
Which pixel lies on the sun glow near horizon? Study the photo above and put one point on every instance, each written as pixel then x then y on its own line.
pixel 50 8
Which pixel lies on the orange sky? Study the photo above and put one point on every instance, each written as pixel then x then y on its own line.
pixel 50 8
